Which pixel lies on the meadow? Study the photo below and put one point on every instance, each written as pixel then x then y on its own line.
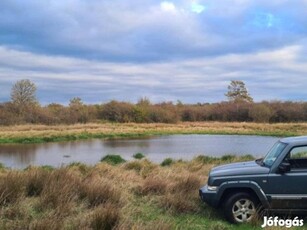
pixel 112 195
pixel 43 133
pixel 115 194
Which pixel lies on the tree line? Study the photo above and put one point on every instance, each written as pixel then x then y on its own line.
pixel 24 108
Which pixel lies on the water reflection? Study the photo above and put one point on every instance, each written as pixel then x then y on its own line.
pixel 21 154
pixel 155 148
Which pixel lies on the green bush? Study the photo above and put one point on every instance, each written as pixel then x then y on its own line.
pixel 47 167
pixel 113 159
pixel 228 158
pixel 138 156
pixel 206 159
pixel 167 162
pixel 2 166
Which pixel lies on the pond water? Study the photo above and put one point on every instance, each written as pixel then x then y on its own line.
pixel 155 148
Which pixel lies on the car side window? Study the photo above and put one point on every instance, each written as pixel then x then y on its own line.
pixel 298 157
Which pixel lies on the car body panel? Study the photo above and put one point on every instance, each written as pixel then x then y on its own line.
pixel 274 189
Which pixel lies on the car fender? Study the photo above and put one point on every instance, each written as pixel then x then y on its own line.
pixel 244 184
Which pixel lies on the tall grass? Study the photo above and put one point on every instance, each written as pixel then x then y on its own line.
pixel 105 217
pixel 119 197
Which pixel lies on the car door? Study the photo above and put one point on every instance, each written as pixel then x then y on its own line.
pixel 288 190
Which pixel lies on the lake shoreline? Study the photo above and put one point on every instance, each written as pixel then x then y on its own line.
pixel 155 148
pixel 42 133
pixel 23 134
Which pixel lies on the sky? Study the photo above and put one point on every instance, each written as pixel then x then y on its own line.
pixel 187 50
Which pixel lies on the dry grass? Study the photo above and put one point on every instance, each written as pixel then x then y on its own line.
pixel 12 187
pixel 105 217
pixel 130 129
pixel 152 186
pixel 60 192
pixel 36 179
pixel 126 196
pixel 46 223
pixel 98 191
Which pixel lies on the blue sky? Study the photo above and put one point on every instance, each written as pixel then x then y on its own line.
pixel 186 50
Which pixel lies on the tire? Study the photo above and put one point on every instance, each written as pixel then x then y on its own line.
pixel 240 207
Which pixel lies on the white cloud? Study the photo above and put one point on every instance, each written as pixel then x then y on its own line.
pixel 268 75
pixel 197 8
pixel 168 6
pixel 159 49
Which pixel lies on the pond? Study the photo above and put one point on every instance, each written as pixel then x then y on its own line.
pixel 155 148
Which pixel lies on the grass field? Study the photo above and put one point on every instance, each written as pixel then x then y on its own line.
pixel 131 195
pixel 43 133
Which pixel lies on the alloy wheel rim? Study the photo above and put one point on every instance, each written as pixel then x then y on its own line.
pixel 243 210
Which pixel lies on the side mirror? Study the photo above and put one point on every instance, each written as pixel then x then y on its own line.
pixel 284 167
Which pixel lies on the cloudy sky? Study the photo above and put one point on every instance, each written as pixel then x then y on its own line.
pixel 186 50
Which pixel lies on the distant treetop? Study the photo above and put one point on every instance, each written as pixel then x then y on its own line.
pixel 237 92
pixel 23 93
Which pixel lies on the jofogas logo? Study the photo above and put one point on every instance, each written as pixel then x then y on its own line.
pixel 276 222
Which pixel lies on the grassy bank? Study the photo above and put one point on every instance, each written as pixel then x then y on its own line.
pixel 129 195
pixel 42 133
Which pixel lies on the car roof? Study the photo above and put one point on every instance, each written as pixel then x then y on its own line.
pixel 299 140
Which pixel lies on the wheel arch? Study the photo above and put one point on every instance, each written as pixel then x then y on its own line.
pixel 227 189
pixel 230 191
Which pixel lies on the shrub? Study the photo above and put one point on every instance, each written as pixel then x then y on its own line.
pixel 138 156
pixel 261 113
pixel 167 162
pixel 47 167
pixel 228 158
pixel 117 112
pixel 113 159
pixel 2 166
pixel 206 159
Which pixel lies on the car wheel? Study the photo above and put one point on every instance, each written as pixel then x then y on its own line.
pixel 240 208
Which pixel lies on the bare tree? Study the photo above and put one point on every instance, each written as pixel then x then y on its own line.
pixel 237 92
pixel 23 93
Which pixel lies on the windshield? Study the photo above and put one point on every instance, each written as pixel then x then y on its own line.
pixel 274 153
